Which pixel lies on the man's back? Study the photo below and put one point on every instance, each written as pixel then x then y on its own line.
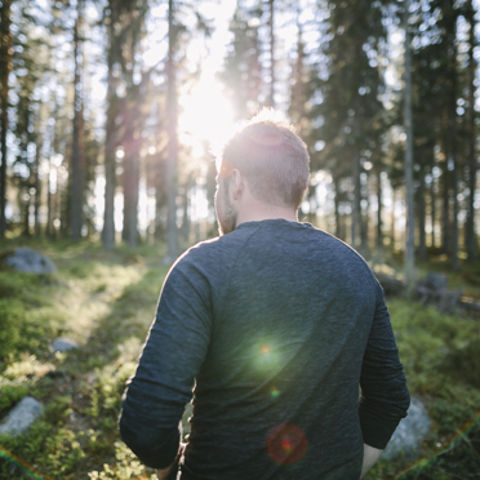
pixel 273 321
pixel 277 395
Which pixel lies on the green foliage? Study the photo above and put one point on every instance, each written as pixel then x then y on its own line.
pixel 10 394
pixel 126 465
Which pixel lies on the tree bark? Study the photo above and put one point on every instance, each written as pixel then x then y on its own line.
pixel 338 232
pixel 433 203
pixel 37 187
pixel 379 209
pixel 452 161
pixel 77 173
pixel 108 232
pixel 392 219
pixel 410 226
pixel 5 67
pixel 172 118
pixel 422 246
pixel 356 211
pixel 271 25
pixel 470 237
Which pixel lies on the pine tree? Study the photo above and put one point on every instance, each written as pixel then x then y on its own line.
pixel 78 167
pixel 5 68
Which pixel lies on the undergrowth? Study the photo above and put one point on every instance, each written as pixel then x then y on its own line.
pixel 105 301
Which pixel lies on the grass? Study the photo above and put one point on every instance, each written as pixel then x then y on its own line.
pixel 105 301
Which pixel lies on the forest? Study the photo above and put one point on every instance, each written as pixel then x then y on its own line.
pixel 104 110
pixel 112 116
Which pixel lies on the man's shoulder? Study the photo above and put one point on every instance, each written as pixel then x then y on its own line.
pixel 217 251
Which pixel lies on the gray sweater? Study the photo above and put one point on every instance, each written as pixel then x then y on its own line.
pixel 274 326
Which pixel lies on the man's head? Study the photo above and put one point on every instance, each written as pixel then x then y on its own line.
pixel 267 159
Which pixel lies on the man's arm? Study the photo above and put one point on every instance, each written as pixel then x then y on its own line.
pixel 385 398
pixel 176 346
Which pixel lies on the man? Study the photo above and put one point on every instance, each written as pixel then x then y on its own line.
pixel 274 325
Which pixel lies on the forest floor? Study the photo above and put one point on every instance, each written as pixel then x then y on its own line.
pixel 105 302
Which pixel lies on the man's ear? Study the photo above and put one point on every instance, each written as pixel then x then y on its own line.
pixel 237 184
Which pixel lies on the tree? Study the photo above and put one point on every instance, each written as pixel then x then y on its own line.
pixel 172 155
pixel 349 111
pixel 78 168
pixel 410 227
pixel 271 27
pixel 470 237
pixel 242 73
pixel 5 67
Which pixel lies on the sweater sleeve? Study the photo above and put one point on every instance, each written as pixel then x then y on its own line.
pixel 173 353
pixel 385 398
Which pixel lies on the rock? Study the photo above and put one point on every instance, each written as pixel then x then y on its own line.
pixel 410 431
pixel 21 416
pixel 29 261
pixel 63 345
pixel 435 281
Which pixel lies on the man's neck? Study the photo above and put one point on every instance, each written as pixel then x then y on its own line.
pixel 266 212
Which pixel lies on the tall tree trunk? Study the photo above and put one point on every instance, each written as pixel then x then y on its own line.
pixel 26 216
pixel 186 215
pixel 37 187
pixel 445 202
pixel 392 219
pixel 77 172
pixel 271 25
pixel 364 220
pixel 452 160
pixel 172 115
pixel 108 232
pixel 433 201
pixel 470 237
pixel 49 226
pixel 131 179
pixel 410 226
pixel 433 213
pixel 356 210
pixel 5 67
pixel 422 246
pixel 379 209
pixel 338 232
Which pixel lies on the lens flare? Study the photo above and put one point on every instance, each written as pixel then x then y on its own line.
pixel 274 392
pixel 286 444
pixel 265 349
pixel 4 453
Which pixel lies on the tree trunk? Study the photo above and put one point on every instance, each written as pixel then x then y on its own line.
pixel 37 187
pixel 470 237
pixel 186 216
pixel 392 219
pixel 422 247
pixel 131 179
pixel 271 25
pixel 108 232
pixel 452 161
pixel 171 173
pixel 26 217
pixel 77 173
pixel 410 226
pixel 49 226
pixel 433 202
pixel 364 220
pixel 356 211
pixel 338 232
pixel 5 67
pixel 379 209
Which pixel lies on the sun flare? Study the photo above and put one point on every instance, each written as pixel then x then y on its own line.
pixel 206 116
